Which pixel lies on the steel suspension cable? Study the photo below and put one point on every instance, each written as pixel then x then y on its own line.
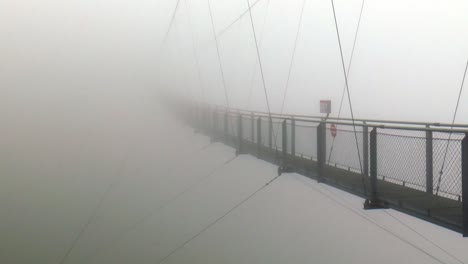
pixel 348 72
pixel 228 27
pixel 346 205
pixel 124 232
pixel 254 71
pixel 96 210
pixel 93 216
pixel 219 219
pixel 424 237
pixel 169 28
pixel 291 62
pixel 349 97
pixel 450 135
pixel 259 62
pixel 219 56
pixel 195 53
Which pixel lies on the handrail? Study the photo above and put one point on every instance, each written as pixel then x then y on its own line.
pixel 367 122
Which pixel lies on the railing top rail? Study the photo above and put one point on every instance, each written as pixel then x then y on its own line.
pixel 441 127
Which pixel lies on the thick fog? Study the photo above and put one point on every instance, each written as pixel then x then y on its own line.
pixel 82 132
pixel 408 62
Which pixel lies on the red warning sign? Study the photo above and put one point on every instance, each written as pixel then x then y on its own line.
pixel 333 130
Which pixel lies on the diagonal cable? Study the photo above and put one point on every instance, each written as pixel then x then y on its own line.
pixel 195 53
pixel 450 135
pixel 349 96
pixel 348 72
pixel 219 56
pixel 291 62
pixel 254 72
pixel 219 219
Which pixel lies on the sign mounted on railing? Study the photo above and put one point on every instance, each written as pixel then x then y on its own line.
pixel 333 130
pixel 325 106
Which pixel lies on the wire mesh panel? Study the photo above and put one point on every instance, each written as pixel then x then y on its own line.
pixel 401 157
pixel 247 128
pixel 219 123
pixel 447 179
pixel 342 151
pixel 306 139
pixel 277 134
pixel 232 125
pixel 289 131
pixel 265 132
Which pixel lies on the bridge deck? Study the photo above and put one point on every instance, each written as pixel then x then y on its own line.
pixel 436 209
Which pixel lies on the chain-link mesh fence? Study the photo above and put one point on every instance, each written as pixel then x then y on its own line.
pixel 277 134
pixel 401 157
pixel 306 140
pixel 401 154
pixel 447 180
pixel 265 129
pixel 232 125
pixel 342 151
pixel 289 137
pixel 247 128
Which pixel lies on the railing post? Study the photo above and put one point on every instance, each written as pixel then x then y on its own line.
pixel 465 184
pixel 252 130
pixel 365 149
pixel 293 137
pixel 270 132
pixel 284 139
pixel 373 164
pixel 259 137
pixel 429 163
pixel 373 201
pixel 321 150
pixel 239 134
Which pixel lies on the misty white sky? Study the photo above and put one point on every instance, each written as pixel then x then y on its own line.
pixel 408 63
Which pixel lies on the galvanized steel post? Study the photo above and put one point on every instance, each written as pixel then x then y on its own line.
pixel 284 140
pixel 365 148
pixel 293 137
pixel 429 163
pixel 465 184
pixel 259 137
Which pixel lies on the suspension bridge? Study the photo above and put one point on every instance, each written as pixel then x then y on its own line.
pixel 212 182
pixel 415 167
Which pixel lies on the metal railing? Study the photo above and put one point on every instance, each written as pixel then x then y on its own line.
pixel 400 163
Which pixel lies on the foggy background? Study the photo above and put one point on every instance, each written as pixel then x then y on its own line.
pixel 80 80
pixel 408 62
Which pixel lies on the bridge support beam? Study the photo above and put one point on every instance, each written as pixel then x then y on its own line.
pixel 465 184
